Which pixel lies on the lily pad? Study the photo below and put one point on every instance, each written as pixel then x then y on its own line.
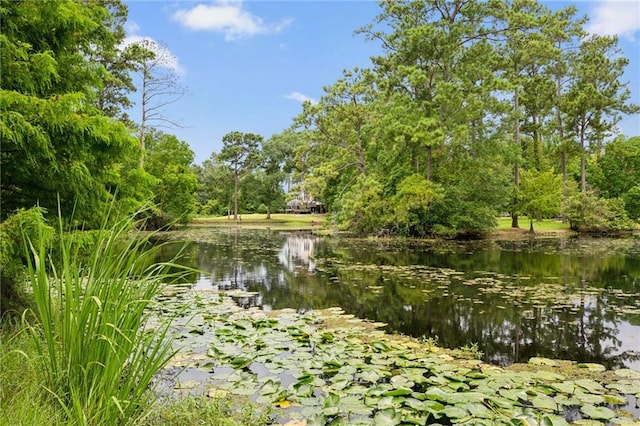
pixel 597 413
pixel 592 366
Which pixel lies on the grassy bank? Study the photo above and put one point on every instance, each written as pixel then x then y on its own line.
pixel 318 222
pixel 278 221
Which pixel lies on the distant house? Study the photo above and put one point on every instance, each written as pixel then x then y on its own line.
pixel 305 206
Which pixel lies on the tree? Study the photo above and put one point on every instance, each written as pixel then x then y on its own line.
pixel 620 173
pixel 159 87
pixel 215 186
pixel 240 151
pixel 169 160
pixel 539 195
pixel 55 143
pixel 277 163
pixel 596 97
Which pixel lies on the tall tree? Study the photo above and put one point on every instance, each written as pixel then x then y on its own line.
pixel 277 163
pixel 596 97
pixel 159 87
pixel 55 143
pixel 240 151
pixel 215 186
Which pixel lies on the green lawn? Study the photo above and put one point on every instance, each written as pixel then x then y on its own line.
pixel 538 225
pixel 282 221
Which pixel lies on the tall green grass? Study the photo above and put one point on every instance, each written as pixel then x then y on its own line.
pixel 90 326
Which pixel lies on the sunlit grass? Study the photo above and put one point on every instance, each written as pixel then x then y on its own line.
pixel 259 220
pixel 504 223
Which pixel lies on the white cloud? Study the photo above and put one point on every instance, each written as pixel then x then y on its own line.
pixel 131 27
pixel 297 96
pixel 616 17
pixel 227 17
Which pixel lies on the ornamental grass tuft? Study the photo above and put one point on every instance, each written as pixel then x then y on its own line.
pixel 90 325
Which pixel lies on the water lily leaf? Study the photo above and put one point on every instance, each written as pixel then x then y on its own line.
pixel 456 413
pixel 243 390
pixel 380 346
pixel 628 387
pixel 544 402
pixel 549 375
pixel 479 411
pixel 387 417
pixel 566 400
pixel 565 387
pixel 437 394
pixel 627 373
pixel 401 381
pixel 270 387
pixel 542 361
pixel 398 392
pixel 586 398
pixel 553 420
pixel 370 376
pixel 590 385
pixel 514 394
pixel 592 366
pixel 598 413
pixel 614 399
pixel 241 362
pixel 414 404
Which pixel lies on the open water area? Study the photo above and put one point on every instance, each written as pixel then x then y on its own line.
pixel 576 298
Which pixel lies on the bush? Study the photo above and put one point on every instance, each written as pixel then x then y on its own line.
pixel 590 214
pixel 13 297
pixel 632 202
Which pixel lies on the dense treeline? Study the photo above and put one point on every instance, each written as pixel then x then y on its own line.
pixel 69 149
pixel 475 109
pixel 67 143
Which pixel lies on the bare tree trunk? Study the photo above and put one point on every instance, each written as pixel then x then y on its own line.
pixel 143 123
pixel 583 163
pixel 516 169
pixel 235 195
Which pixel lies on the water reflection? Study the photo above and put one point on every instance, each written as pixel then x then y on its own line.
pixel 571 299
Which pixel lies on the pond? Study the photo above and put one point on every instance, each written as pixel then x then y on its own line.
pixel 575 298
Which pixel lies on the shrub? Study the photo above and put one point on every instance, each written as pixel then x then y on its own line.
pixel 13 297
pixel 588 213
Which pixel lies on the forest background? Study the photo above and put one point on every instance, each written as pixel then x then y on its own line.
pixel 470 111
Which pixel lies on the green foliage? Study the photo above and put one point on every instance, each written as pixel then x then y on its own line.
pixel 361 209
pixel 539 195
pixel 619 172
pixel 55 144
pixel 413 198
pixel 90 326
pixel 588 213
pixel 241 152
pixel 632 202
pixel 169 161
pixel 13 297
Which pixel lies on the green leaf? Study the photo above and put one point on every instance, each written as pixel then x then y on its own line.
pixel 598 413
pixel 387 417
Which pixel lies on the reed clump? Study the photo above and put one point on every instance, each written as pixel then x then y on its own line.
pixel 88 325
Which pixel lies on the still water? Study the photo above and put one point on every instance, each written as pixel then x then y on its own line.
pixel 575 299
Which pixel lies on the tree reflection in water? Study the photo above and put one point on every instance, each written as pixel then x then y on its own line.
pixel 573 299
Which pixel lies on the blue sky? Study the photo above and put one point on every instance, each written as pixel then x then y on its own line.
pixel 248 66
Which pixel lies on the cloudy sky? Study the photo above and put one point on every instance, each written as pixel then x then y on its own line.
pixel 249 65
